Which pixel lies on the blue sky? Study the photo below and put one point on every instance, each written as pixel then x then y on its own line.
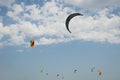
pixel 94 41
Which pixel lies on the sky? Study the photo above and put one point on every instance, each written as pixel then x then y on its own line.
pixel 94 41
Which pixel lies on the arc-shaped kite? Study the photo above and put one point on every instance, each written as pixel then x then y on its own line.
pixel 69 18
pixel 32 42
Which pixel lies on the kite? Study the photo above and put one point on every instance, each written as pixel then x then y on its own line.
pixel 32 42
pixel 92 69
pixel 57 75
pixel 99 72
pixel 41 70
pixel 69 18
pixel 75 71
pixel 46 73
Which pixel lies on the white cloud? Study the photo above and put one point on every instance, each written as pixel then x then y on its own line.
pixel 15 12
pixel 47 25
pixel 0 20
pixel 17 8
pixel 93 5
pixel 47 41
pixel 34 12
pixel 6 3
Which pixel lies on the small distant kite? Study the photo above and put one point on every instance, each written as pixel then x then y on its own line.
pixel 41 70
pixel 75 71
pixel 92 69
pixel 46 73
pixel 57 75
pixel 62 77
pixel 99 72
pixel 69 18
pixel 32 42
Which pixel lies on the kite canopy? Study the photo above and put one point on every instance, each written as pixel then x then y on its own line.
pixel 69 18
pixel 62 77
pixel 46 73
pixel 57 75
pixel 32 42
pixel 41 70
pixel 99 72
pixel 75 71
pixel 92 69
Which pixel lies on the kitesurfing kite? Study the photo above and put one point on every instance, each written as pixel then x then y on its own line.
pixel 69 18
pixel 32 42
pixel 92 69
pixel 99 72
pixel 46 73
pixel 75 71
pixel 62 77
pixel 41 70
pixel 57 75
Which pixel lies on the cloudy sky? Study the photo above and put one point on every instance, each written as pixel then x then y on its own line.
pixel 94 41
